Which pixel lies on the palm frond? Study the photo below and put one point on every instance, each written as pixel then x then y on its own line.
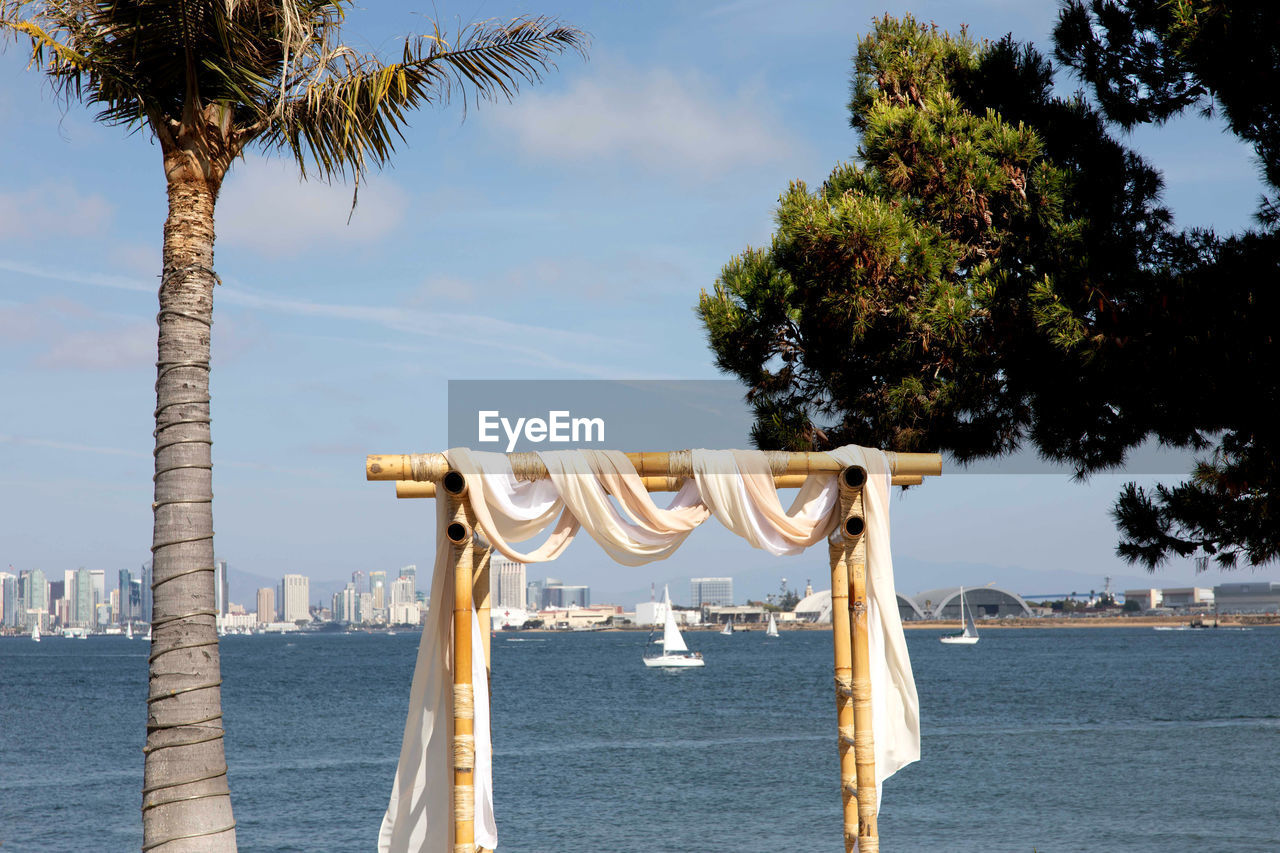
pixel 344 111
pixel 221 73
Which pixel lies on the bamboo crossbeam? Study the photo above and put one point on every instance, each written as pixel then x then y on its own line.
pixel 432 467
pixel 427 489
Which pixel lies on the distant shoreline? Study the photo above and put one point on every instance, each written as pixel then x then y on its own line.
pixel 1230 621
pixel 1225 621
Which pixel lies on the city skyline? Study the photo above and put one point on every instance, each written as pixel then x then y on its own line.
pixel 525 244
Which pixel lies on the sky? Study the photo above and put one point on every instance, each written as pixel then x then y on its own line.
pixel 564 235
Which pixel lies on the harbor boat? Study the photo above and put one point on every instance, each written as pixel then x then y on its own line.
pixel 772 630
pixel 727 630
pixel 128 631
pixel 148 637
pixel 35 631
pixel 674 651
pixel 969 635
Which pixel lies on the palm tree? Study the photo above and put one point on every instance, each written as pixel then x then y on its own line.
pixel 208 78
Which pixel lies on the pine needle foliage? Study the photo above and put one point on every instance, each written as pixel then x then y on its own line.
pixel 994 270
pixel 1145 62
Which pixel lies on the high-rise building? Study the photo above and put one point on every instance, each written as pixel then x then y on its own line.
pixel 565 595
pixel 364 607
pixel 344 604
pixel 221 587
pixel 57 592
pixel 294 598
pixel 135 598
pixel 401 591
pixel 9 599
pixel 98 581
pixel 411 572
pixel 146 592
pixel 81 597
pixel 37 592
pixel 378 589
pixel 711 591
pixel 511 582
pixel 534 595
pixel 266 604
pixel 33 592
pixel 125 612
pixel 24 592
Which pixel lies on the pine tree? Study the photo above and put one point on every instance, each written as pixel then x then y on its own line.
pixel 995 271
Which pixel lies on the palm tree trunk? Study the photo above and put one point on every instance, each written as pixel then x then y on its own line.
pixel 186 798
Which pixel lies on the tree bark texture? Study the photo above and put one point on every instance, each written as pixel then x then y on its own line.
pixel 186 803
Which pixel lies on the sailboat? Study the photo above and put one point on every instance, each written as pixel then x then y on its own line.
pixel 727 630
pixel 128 631
pixel 674 651
pixel 148 637
pixel 969 635
pixel 772 630
pixel 35 631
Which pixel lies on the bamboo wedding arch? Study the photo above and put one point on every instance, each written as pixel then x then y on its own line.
pixel 431 476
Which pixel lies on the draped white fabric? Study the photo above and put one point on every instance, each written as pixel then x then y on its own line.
pixel 419 818
pixel 734 486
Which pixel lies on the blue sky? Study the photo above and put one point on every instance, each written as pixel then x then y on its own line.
pixel 565 235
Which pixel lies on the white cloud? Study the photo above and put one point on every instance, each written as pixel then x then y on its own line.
pixel 435 288
pixel 31 441
pixel 132 345
pixel 264 206
pixel 91 279
pixel 51 210
pixel 71 335
pixel 658 118
pixel 539 345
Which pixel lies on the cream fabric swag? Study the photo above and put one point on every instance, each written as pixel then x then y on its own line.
pixel 736 486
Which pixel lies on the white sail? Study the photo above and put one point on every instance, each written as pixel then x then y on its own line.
pixel 672 639
pixel 773 627
pixel 35 631
pixel 970 629
pixel 969 635
pixel 674 652
pixel 128 631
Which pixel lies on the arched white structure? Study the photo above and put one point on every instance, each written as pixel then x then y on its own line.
pixel 990 601
pixel 817 608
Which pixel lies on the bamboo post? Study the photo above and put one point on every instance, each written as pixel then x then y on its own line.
pixel 851 482
pixel 460 532
pixel 480 593
pixel 840 548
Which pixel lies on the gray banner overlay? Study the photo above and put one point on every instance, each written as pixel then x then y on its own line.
pixel 519 416
pixel 510 416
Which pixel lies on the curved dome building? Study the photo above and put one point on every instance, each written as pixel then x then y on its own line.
pixel 983 601
pixel 817 608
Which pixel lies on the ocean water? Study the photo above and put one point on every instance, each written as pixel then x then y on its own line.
pixel 1045 740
